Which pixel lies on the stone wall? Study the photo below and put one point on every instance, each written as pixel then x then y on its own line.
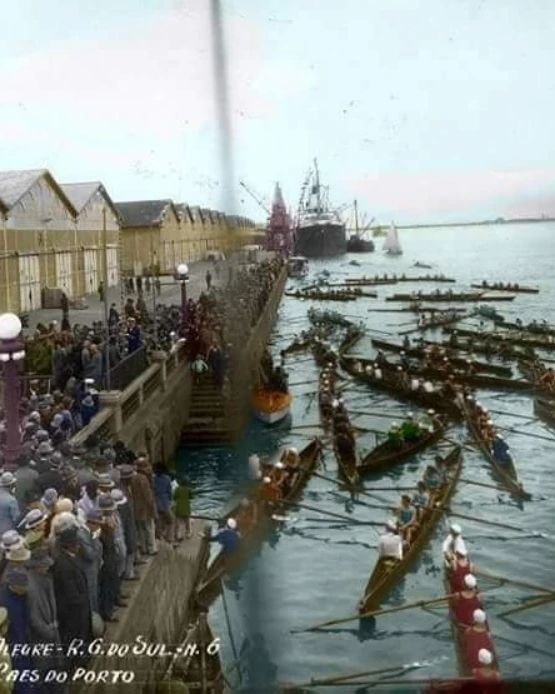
pixel 157 614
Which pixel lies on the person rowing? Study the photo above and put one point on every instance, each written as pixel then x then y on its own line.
pixel 407 519
pixel 421 500
pixel 486 670
pixel 501 451
pixel 477 637
pixel 247 515
pixel 279 477
pixel 452 543
pixel 228 537
pixel 432 480
pixel 466 601
pixel 395 437
pixel 441 469
pixel 410 429
pixel 459 567
pixel 390 545
pixel 269 494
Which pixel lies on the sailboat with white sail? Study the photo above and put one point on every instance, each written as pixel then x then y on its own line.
pixel 392 245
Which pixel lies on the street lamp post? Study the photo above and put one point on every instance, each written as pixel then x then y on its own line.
pixel 11 352
pixel 183 277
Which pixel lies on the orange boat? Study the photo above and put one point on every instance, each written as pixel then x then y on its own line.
pixel 271 406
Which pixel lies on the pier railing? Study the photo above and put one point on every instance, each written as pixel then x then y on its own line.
pixel 118 407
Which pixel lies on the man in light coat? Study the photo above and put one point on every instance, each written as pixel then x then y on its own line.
pixel 9 508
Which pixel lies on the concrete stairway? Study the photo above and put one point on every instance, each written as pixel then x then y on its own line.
pixel 207 417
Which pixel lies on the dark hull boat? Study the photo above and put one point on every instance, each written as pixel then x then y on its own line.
pixel 357 244
pixel 321 239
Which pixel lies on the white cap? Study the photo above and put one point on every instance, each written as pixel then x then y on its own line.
pixel 293 450
pixel 335 403
pixel 460 549
pixel 403 353
pixel 455 528
pixel 399 368
pixel 500 437
pixel 266 480
pixel 469 581
pixel 279 465
pixel 490 421
pixel 479 617
pixel 231 523
pixel 391 524
pixel 430 412
pixel 254 458
pixel 410 414
pixel 469 398
pixel 485 657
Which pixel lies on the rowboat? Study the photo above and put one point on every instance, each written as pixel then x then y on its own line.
pixel 195 663
pixel 433 400
pixel 392 279
pixel 271 406
pixel 451 296
pixel 222 564
pixel 545 409
pixel 297 345
pixel 322 296
pixel 434 322
pixel 460 638
pixel 455 359
pixel 506 474
pixel 504 350
pixel 387 572
pixel 509 338
pixel 384 456
pixel 347 465
pixel 506 288
pixel 322 317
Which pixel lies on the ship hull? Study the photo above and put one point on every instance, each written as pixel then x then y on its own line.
pixel 321 240
pixel 358 245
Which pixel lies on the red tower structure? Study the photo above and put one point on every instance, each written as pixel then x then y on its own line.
pixel 279 232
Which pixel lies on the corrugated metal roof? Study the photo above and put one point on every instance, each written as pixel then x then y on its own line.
pixel 79 194
pixel 14 185
pixel 143 213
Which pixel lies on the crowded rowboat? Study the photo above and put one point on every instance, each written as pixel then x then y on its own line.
pixel 406 535
pixel 493 445
pixel 274 485
pixel 475 648
pixel 450 295
pixel 403 441
pixel 505 287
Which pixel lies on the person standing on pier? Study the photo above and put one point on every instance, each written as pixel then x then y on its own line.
pixel 182 508
pixel 208 280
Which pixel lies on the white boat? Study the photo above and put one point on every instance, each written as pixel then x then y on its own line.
pixel 391 245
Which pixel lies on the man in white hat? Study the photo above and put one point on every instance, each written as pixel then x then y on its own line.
pixel 9 508
pixel 452 543
pixel 228 537
pixel 467 601
pixel 486 670
pixel 477 637
pixel 390 544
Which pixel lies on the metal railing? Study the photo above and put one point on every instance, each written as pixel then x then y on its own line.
pixel 127 370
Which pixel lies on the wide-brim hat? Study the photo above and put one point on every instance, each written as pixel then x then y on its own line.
pixel 126 472
pixel 106 504
pixel 18 553
pixel 7 480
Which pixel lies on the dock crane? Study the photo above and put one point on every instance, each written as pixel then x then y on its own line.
pixel 255 197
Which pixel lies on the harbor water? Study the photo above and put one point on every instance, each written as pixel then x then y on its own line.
pixel 314 569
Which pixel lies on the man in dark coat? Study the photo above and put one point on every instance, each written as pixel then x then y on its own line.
pixel 109 581
pixel 127 516
pixel 89 557
pixel 71 591
pixel 13 596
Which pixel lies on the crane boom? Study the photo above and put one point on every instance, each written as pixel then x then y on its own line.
pixel 254 197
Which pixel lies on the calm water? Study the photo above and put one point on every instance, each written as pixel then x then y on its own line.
pixel 312 571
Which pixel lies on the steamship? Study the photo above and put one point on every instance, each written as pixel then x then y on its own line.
pixel 320 231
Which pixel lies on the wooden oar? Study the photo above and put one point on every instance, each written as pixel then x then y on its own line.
pixel 355 675
pixel 329 513
pixel 375 613
pixel 520 584
pixel 342 484
pixel 526 433
pixel 482 484
pixel 486 522
pixel 365 503
pixel 536 603
pixel 513 414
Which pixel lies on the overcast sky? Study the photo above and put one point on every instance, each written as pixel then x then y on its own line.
pixel 422 109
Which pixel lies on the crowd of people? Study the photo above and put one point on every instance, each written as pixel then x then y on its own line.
pixel 412 429
pixel 75 524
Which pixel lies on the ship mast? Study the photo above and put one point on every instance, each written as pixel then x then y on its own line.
pixel 317 178
pixel 356 217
